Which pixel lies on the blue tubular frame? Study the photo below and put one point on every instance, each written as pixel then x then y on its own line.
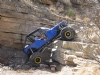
pixel 51 33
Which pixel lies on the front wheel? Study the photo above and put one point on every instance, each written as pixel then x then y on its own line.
pixel 36 59
pixel 68 34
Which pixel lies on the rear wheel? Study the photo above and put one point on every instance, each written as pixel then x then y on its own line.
pixel 67 34
pixel 36 59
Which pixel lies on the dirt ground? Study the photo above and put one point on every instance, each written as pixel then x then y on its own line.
pixel 35 71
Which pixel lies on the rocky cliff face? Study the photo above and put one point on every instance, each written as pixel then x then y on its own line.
pixel 20 17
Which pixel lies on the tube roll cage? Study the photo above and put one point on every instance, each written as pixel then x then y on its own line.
pixel 28 36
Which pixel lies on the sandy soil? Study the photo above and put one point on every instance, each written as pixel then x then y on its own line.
pixel 66 70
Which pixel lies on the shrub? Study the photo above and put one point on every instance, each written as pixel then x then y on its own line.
pixel 70 13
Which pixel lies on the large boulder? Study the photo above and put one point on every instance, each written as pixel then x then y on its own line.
pixel 87 49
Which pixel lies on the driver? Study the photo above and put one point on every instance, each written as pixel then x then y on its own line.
pixel 36 38
pixel 42 37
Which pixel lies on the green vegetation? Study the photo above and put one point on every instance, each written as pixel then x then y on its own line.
pixel 70 13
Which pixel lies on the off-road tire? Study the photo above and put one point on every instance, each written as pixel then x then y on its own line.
pixel 36 59
pixel 67 34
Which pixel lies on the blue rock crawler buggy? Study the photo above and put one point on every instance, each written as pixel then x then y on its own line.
pixel 34 45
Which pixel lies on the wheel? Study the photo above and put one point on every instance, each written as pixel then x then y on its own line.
pixel 67 34
pixel 36 59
